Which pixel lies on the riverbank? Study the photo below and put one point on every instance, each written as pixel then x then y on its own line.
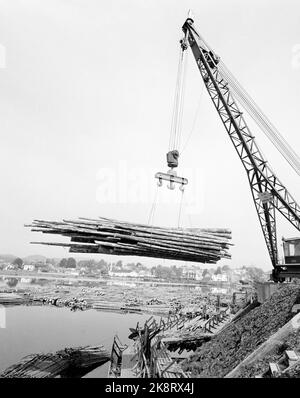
pixel 109 295
pixel 61 276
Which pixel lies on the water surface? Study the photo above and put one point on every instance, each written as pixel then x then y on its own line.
pixel 36 329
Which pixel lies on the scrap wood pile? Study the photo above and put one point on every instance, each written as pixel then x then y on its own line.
pixel 232 345
pixel 69 362
pixel 274 350
pixel 190 343
pixel 121 238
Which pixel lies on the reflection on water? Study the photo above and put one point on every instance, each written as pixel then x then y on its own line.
pixel 26 280
pixel 20 282
pixel 11 282
pixel 121 283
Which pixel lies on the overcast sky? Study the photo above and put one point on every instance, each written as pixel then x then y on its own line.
pixel 86 101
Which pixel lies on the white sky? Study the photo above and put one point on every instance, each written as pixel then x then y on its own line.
pixel 86 99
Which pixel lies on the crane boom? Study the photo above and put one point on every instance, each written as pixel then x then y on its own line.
pixel 269 194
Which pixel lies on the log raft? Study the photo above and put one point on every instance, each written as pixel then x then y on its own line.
pixel 70 362
pixel 108 236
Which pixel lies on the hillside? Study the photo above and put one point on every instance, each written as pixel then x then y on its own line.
pixel 34 258
pixel 9 258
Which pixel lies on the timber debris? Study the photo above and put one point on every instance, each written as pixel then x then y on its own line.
pixel 279 356
pixel 70 362
pixel 146 357
pixel 239 339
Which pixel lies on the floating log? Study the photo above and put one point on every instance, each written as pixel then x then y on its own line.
pixel 109 236
pixel 70 362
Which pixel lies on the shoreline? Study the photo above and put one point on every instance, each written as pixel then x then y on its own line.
pixel 57 276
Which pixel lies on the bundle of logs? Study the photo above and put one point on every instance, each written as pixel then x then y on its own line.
pixel 70 362
pixel 109 236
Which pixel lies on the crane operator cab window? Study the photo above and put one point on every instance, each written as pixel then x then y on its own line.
pixel 292 251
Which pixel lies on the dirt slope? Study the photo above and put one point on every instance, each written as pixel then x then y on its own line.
pixel 225 351
pixel 290 342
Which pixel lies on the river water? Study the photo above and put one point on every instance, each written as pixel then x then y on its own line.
pixel 36 329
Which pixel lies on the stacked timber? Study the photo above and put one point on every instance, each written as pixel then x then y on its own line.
pixel 109 236
pixel 70 362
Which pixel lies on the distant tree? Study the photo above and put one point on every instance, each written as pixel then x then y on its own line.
pixel 225 268
pixel 131 266
pixel 90 264
pixel 205 273
pixel 176 272
pixel 12 282
pixel 102 267
pixel 102 263
pixel 255 273
pixel 81 263
pixel 71 262
pixel 18 261
pixel 63 263
pixel 179 272
pixel 161 272
pixel 104 270
pixel 218 271
pixel 207 277
pixel 119 264
pixel 167 273
pixel 51 261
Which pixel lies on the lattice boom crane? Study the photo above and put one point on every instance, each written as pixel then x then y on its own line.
pixel 269 194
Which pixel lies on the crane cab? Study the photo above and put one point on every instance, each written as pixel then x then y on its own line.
pixel 291 250
pixel 290 268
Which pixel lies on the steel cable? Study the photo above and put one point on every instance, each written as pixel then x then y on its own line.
pixel 257 114
pixel 278 141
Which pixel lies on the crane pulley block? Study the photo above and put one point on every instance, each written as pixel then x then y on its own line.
pixel 172 158
pixel 171 175
pixel 172 178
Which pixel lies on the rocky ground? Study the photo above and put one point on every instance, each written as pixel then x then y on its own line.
pixel 225 351
pixel 291 342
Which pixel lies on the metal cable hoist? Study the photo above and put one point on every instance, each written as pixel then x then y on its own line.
pixel 268 192
pixel 176 127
